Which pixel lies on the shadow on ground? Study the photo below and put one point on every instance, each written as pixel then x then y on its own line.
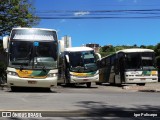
pixel 30 90
pixel 98 109
pixel 77 86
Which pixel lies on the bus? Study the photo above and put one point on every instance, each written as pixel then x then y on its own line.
pixel 135 65
pixel 80 66
pixel 32 58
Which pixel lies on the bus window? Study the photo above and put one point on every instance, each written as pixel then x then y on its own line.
pixel 103 63
pixel 133 61
pixel 147 60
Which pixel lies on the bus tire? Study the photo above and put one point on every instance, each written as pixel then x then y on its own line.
pixel 141 84
pixel 13 89
pixel 88 84
pixel 98 83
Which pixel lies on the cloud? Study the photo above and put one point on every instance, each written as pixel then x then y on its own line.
pixel 81 13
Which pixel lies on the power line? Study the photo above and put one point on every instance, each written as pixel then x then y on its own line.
pixel 100 14
pixel 146 17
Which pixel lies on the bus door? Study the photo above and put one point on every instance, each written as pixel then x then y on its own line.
pixel 121 59
pixel 107 69
pixel 102 70
pixel 66 68
pixel 112 71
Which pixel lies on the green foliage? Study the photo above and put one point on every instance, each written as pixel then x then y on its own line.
pixel 157 49
pixel 107 50
pixel 150 47
pixel 142 46
pixel 15 13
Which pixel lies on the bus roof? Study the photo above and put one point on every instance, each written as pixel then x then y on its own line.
pixel 135 50
pixel 131 50
pixel 78 49
pixel 25 28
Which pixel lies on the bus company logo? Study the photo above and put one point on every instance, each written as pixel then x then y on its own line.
pixel 6 114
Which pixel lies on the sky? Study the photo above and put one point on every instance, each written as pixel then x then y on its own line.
pixel 104 22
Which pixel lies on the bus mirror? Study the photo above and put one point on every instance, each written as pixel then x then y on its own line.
pixel 67 58
pixel 5 43
pixel 98 56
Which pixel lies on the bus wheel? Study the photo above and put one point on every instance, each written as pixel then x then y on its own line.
pixel 88 84
pixel 98 83
pixel 141 84
pixel 13 89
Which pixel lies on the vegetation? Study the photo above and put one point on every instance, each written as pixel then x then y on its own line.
pixel 15 13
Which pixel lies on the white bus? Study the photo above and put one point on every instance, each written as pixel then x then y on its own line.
pixel 80 66
pixel 129 66
pixel 32 58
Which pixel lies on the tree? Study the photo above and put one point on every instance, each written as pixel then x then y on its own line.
pixel 107 50
pixel 150 47
pixel 157 49
pixel 135 45
pixel 142 46
pixel 15 13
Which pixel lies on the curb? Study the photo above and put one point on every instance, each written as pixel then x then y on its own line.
pixel 150 90
pixel 141 88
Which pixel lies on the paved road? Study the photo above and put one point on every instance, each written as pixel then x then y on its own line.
pixel 80 101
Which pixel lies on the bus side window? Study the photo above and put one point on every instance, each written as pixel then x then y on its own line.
pixel 113 60
pixel 116 66
pixel 108 62
pixel 103 63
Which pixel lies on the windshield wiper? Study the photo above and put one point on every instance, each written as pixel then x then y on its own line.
pixel 21 68
pixel 44 69
pixel 43 66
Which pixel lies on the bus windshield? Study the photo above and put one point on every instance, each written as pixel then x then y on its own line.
pixel 139 60
pixel 29 54
pixel 83 61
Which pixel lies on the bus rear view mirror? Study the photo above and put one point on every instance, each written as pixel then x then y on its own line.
pixel 5 43
pixel 67 58
pixel 98 56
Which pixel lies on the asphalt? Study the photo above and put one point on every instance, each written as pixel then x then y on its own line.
pixel 149 87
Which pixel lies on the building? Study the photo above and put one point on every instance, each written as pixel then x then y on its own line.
pixel 65 42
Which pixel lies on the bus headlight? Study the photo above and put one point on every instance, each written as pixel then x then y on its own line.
pixel 52 75
pixel 12 73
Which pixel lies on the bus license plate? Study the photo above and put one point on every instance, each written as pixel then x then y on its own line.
pixel 143 78
pixel 32 82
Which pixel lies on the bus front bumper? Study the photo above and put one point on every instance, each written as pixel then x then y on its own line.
pixel 75 79
pixel 31 82
pixel 141 80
